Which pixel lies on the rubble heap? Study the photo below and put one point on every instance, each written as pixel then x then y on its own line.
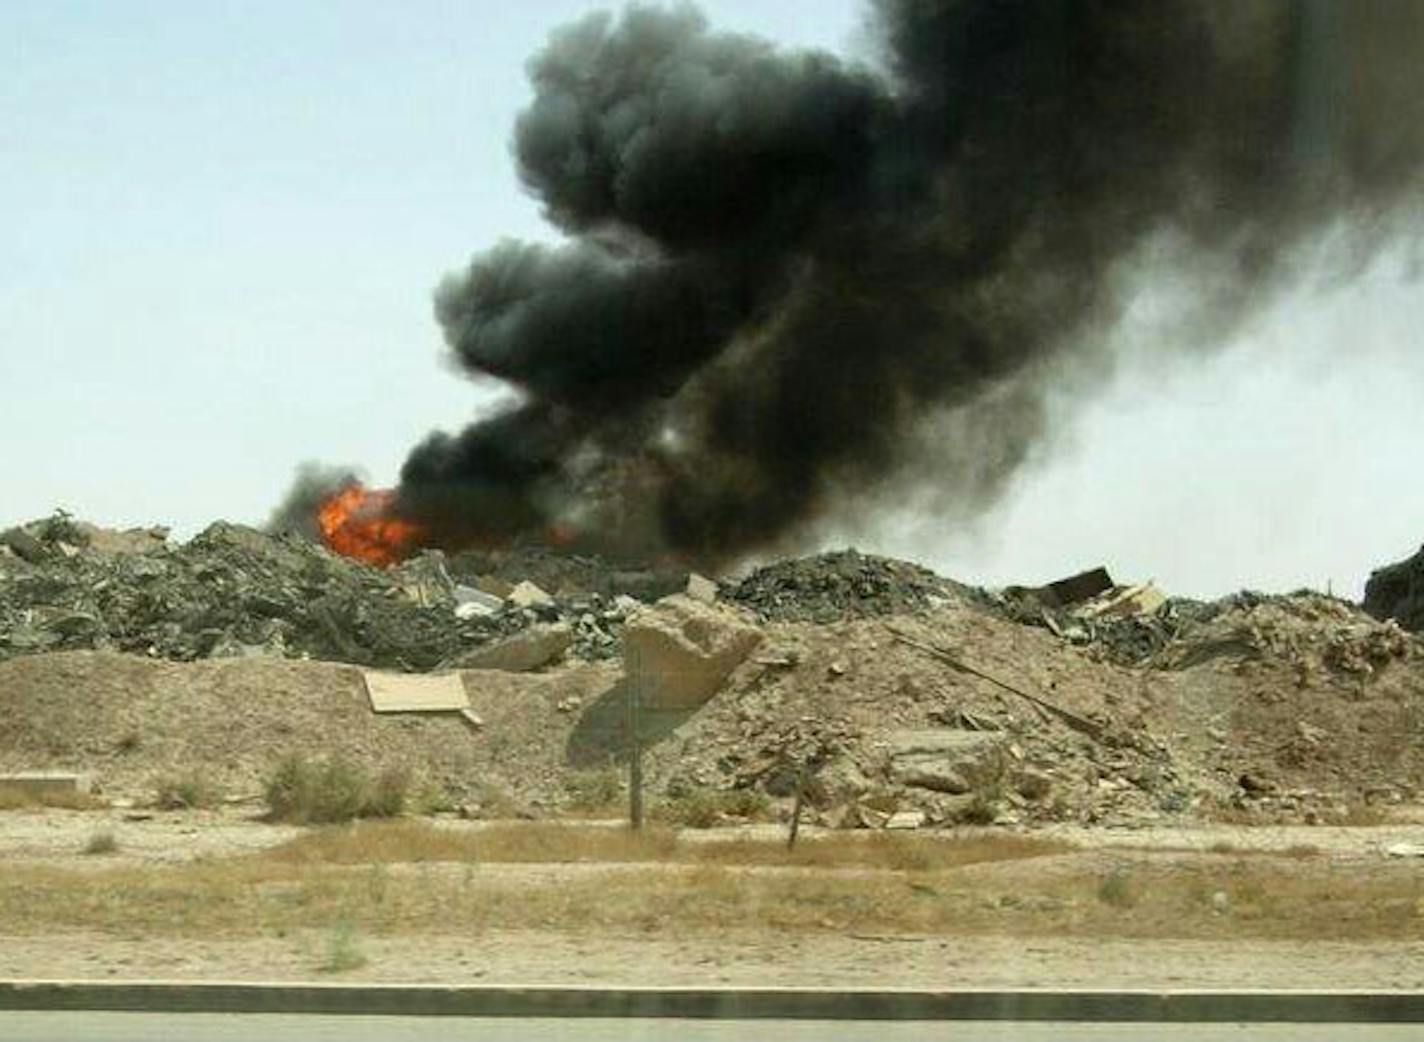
pixel 1396 591
pixel 1308 630
pixel 833 587
pixel 234 591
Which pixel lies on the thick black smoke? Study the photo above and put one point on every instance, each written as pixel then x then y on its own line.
pixel 782 269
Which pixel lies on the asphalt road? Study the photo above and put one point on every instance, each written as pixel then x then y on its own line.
pixel 231 1027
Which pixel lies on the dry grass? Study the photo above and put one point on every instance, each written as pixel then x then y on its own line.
pixel 188 791
pixel 702 808
pixel 1171 898
pixel 595 792
pixel 306 791
pixel 13 797
pixel 542 842
pixel 102 842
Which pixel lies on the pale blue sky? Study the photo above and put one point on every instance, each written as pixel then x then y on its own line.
pixel 220 225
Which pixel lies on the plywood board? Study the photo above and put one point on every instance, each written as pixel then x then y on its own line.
pixel 415 692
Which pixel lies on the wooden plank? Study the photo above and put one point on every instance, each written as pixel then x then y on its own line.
pixel 415 692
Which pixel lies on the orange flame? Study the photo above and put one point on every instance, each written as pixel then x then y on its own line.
pixel 356 522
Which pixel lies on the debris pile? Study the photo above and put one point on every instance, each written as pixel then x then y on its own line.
pixel 1310 631
pixel 235 591
pixel 1127 624
pixel 833 587
pixel 1396 591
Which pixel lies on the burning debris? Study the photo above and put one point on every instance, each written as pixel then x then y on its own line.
pixel 784 267
pixel 360 523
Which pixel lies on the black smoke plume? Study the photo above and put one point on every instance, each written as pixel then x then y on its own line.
pixel 784 272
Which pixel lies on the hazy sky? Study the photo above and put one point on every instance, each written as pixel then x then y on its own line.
pixel 220 226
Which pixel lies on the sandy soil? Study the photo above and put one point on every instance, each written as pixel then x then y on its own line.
pixel 176 836
pixel 743 958
pixel 749 959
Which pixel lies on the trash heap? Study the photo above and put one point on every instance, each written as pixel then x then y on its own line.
pixel 236 591
pixel 1396 591
pixel 846 584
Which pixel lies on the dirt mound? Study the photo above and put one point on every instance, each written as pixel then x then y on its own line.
pixel 884 687
pixel 1396 592
pixel 1272 708
pixel 130 720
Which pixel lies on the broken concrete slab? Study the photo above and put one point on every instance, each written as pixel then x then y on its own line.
pixel 700 588
pixel 1404 849
pixel 950 761
pixel 493 585
pixel 680 651
pixel 906 819
pixel 124 541
pixel 45 785
pixel 471 602
pixel 23 545
pixel 527 595
pixel 527 650
pixel 1142 599
pixel 415 692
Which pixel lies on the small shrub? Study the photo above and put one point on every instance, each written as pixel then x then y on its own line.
pixel 334 790
pixel 702 808
pixel 342 790
pixel 985 805
pixel 594 790
pixel 342 951
pixel 495 801
pixel 101 843
pixel 388 795
pixel 746 803
pixel 693 808
pixel 1116 889
pixel 186 792
pixel 428 796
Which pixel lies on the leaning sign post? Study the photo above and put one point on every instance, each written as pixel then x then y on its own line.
pixel 633 689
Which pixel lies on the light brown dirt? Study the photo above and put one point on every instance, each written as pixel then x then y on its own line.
pixel 132 720
pixel 749 959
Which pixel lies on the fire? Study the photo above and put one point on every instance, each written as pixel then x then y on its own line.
pixel 357 522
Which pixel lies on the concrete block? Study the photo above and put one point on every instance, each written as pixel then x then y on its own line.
pixel 471 602
pixel 527 595
pixel 946 760
pixel 41 785
pixel 700 588
pixel 679 652
pixel 529 649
